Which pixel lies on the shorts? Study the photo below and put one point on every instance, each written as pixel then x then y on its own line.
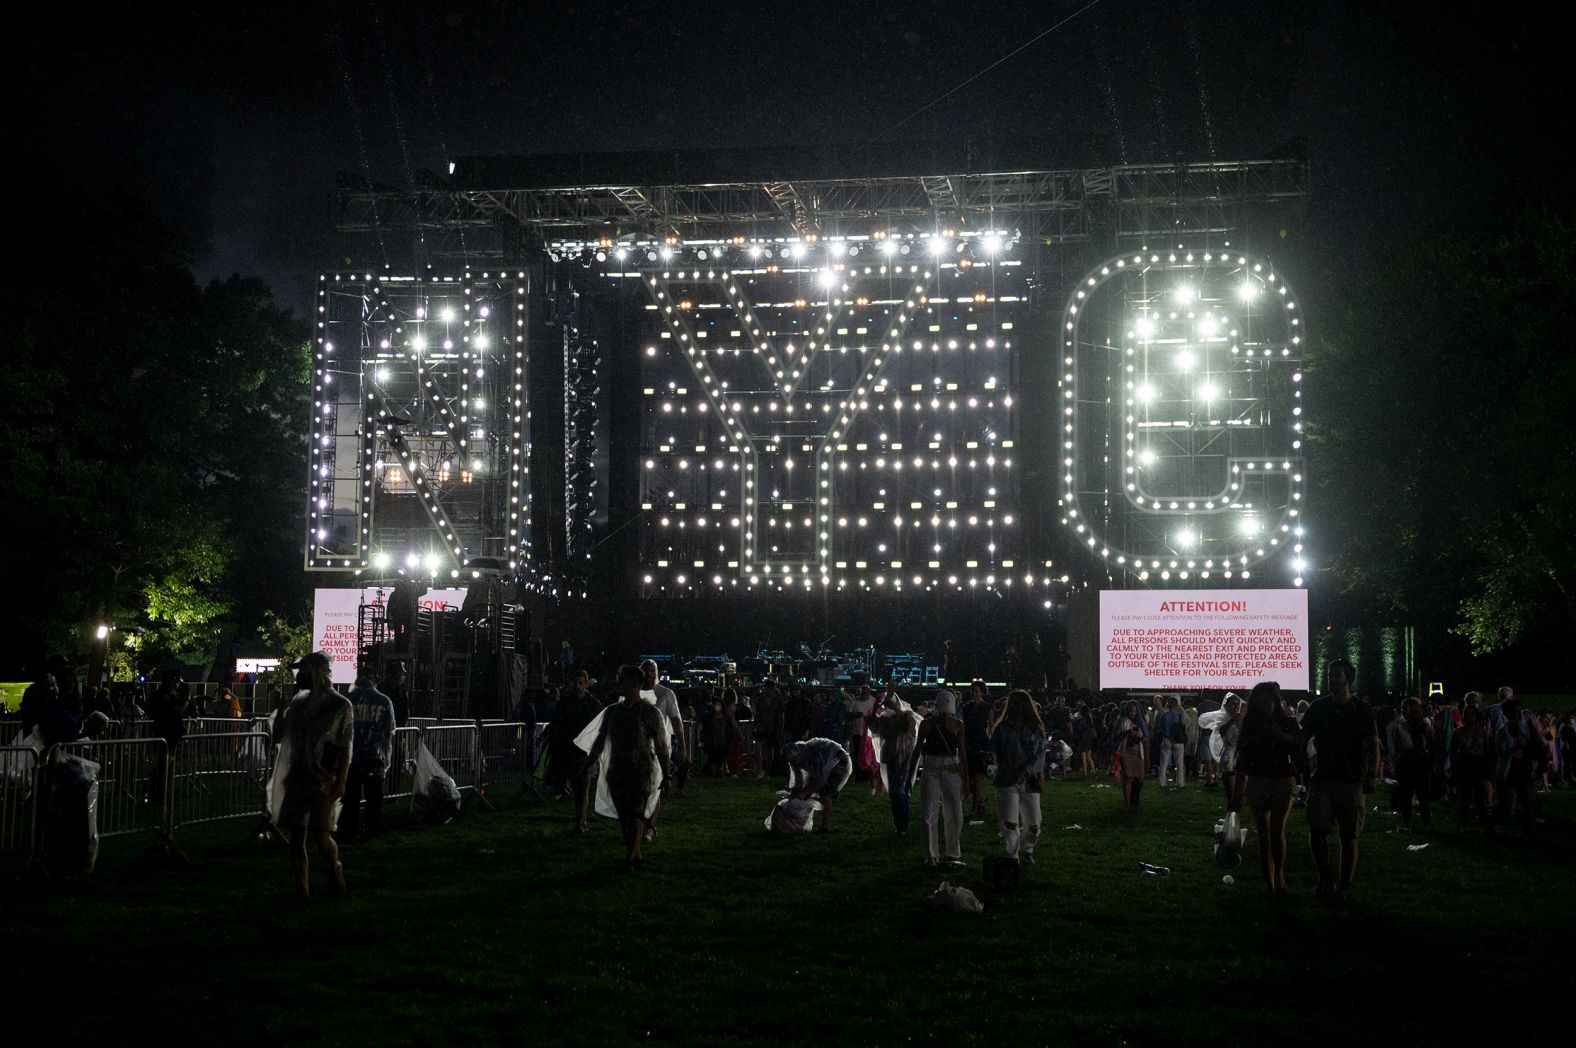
pixel 839 772
pixel 1265 795
pixel 1332 803
pixel 977 761
pixel 310 811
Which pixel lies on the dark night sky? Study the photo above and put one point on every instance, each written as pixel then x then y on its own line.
pixel 233 124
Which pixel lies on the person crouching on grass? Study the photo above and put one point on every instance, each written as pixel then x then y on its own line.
pixel 314 735
pixel 633 749
pixel 818 769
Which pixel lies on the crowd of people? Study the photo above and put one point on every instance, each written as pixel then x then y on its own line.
pixel 622 753
pixel 1265 753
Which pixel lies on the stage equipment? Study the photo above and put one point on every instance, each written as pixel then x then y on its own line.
pixel 1183 415
pixel 850 362
pixel 420 425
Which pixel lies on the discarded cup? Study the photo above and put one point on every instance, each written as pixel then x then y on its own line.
pixel 1155 871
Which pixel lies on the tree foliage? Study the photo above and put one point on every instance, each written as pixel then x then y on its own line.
pixel 156 440
pixel 1442 394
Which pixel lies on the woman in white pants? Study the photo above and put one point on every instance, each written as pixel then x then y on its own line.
pixel 1018 741
pixel 945 754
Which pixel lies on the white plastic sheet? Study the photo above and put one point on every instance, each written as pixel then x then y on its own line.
pixel 15 768
pixel 604 798
pixel 69 831
pixel 900 732
pixel 433 792
pixel 792 815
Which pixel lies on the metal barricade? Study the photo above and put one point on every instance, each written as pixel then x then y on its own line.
pixel 503 754
pixel 219 776
pixel 422 722
pixel 141 728
pixel 402 763
pixel 454 746
pixel 218 725
pixel 18 781
pixel 133 775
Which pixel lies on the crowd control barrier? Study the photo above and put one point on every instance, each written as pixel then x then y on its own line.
pixel 133 781
pixel 18 780
pixel 219 776
pixel 504 755
pixel 454 746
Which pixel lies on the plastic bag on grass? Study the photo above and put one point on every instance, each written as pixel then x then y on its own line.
pixel 434 796
pixel 68 835
pixel 792 815
pixel 1228 842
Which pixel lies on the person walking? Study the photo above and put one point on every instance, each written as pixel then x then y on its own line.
pixel 1516 749
pixel 1018 741
pixel 1267 756
pixel 894 733
pixel 733 739
pixel 372 747
pixel 1414 763
pixel 1133 761
pixel 943 746
pixel 1228 731
pixel 976 737
pixel 315 737
pixel 668 704
pixel 1346 748
pixel 1171 730
pixel 633 752
pixel 568 770
pixel 1472 764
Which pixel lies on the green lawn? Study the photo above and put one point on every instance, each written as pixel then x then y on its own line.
pixel 503 928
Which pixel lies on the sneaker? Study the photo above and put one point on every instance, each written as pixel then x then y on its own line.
pixel 1028 857
pixel 582 828
pixel 932 862
pixel 1343 895
pixel 955 862
pixel 650 834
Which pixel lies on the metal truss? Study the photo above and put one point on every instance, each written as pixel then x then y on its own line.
pixel 1133 201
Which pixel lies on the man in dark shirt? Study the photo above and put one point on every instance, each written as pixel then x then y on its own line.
pixel 372 734
pixel 567 767
pixel 976 739
pixel 1346 744
pixel 167 710
pixel 796 715
pixel 768 728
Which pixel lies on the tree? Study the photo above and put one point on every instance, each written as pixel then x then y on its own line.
pixel 156 436
pixel 1441 395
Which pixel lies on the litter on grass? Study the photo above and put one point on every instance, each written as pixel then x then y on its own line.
pixel 1074 826
pixel 1416 847
pixel 956 899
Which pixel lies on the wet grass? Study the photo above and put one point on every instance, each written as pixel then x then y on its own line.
pixel 504 928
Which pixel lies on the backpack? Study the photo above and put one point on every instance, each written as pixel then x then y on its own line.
pixel 1176 731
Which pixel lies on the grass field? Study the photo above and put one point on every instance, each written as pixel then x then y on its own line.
pixel 503 928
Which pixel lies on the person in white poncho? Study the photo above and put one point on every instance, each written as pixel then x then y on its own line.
pixel 630 744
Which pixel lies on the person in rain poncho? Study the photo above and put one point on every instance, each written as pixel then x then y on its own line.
pixel 630 745
pixel 314 735
pixel 818 768
pixel 893 735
